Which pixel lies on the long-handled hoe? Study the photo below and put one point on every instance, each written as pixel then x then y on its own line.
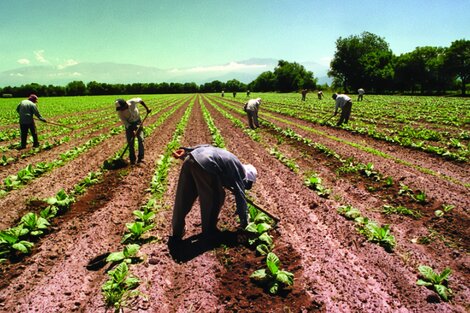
pixel 119 162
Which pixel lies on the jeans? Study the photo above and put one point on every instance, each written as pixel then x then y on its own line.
pixel 131 139
pixel 24 128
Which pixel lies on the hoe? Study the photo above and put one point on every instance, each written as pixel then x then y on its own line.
pixel 119 162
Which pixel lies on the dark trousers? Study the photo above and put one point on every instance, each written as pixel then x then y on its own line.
pixel 131 139
pixel 345 113
pixel 252 119
pixel 195 182
pixel 24 129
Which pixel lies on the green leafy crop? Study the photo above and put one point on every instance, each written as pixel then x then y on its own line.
pixel 272 276
pixel 436 281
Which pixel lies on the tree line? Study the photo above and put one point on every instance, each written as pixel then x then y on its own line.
pixel 360 61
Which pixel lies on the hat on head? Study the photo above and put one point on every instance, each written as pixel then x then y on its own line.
pixel 250 172
pixel 33 98
pixel 121 104
pixel 334 96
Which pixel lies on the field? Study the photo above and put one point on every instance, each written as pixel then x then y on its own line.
pixel 366 210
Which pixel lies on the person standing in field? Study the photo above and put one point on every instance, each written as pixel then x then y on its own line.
pixel 27 109
pixel 234 94
pixel 251 108
pixel 223 92
pixel 344 103
pixel 130 117
pixel 247 93
pixel 304 94
pixel 320 95
pixel 205 172
pixel 360 94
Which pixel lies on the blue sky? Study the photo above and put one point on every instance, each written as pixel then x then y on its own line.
pixel 212 33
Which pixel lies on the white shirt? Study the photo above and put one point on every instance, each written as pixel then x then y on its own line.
pixel 341 100
pixel 253 104
pixel 131 114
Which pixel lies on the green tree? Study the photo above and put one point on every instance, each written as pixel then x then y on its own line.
pixel 457 62
pixel 266 81
pixel 293 76
pixel 361 60
pixel 76 88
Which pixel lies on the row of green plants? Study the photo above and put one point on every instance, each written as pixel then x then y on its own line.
pixel 120 288
pixel 271 277
pixel 450 145
pixel 19 240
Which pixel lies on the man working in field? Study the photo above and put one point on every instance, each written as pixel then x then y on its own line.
pixel 360 94
pixel 345 104
pixel 304 94
pixel 251 108
pixel 27 109
pixel 130 117
pixel 205 172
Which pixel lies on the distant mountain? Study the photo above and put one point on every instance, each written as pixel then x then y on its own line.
pixel 244 71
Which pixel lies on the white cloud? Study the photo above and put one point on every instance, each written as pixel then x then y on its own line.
pixel 232 66
pixel 67 63
pixel 16 74
pixel 23 61
pixel 40 56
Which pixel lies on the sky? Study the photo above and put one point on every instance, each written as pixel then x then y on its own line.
pixel 214 34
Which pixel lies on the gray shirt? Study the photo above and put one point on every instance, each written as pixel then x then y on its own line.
pixel 27 109
pixel 341 100
pixel 228 168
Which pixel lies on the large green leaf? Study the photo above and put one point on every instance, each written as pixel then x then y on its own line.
pixel 273 263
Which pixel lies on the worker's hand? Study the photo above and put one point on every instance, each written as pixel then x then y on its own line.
pixel 179 154
pixel 44 120
pixel 149 110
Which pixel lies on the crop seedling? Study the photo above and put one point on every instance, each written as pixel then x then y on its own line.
pixel 128 255
pixel 349 212
pixel 445 209
pixel 34 223
pixel 144 216
pixel 377 234
pixel 420 197
pixel 119 287
pixel 315 183
pixel 263 241
pixel 273 277
pixel 61 200
pixel 436 281
pixel 136 230
pixel 401 210
pixel 10 241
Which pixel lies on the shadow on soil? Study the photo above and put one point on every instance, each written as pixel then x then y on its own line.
pixel 185 250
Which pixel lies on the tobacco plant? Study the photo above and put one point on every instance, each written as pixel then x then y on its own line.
pixel 36 225
pixel 127 255
pixel 436 281
pixel 119 287
pixel 272 276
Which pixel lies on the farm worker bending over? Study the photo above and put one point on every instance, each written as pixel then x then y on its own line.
pixel 27 109
pixel 320 95
pixel 205 172
pixel 360 93
pixel 345 104
pixel 130 117
pixel 251 109
pixel 304 94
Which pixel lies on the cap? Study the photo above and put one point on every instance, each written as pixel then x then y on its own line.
pixel 33 98
pixel 120 104
pixel 250 172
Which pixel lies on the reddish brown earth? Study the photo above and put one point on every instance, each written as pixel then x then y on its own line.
pixel 335 268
